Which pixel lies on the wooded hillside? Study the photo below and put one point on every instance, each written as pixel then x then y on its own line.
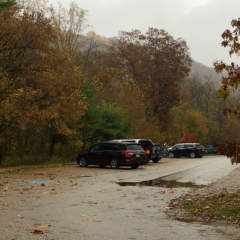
pixel 62 91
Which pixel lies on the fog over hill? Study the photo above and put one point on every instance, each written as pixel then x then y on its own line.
pixel 204 73
pixel 199 71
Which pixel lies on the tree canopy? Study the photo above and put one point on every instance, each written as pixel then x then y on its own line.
pixel 230 84
pixel 158 63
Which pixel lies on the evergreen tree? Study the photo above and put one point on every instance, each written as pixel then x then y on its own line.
pixel 6 3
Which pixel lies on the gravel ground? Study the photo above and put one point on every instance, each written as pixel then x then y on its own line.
pixel 85 202
pixel 230 182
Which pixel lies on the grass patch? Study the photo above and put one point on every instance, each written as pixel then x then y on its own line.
pixel 31 160
pixel 11 172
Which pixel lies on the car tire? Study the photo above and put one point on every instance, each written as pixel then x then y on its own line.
pixel 192 155
pixel 83 162
pixel 156 160
pixel 171 155
pixel 135 166
pixel 114 164
pixel 102 166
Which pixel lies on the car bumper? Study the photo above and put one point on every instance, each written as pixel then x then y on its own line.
pixel 130 161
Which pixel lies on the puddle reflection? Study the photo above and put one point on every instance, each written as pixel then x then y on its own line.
pixel 160 182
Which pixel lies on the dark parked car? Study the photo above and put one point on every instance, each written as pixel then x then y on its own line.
pixel 146 144
pixel 114 154
pixel 191 150
pixel 211 150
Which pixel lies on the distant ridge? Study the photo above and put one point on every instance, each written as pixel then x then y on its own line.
pixel 199 71
pixel 204 73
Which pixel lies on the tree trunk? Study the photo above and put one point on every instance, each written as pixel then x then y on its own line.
pixel 52 145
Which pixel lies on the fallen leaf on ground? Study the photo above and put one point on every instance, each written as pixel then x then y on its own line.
pixel 44 226
pixel 167 207
pixel 84 215
pixel 39 232
pixel 5 204
pixel 197 222
pixel 19 227
pixel 88 220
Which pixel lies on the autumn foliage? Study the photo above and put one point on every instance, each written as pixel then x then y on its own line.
pixel 39 92
pixel 230 84
pixel 157 62
pixel 61 90
pixel 189 138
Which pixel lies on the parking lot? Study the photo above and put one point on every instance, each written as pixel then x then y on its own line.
pixel 69 202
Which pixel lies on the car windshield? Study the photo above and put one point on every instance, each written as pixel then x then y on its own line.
pixel 134 147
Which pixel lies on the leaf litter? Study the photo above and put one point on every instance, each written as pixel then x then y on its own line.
pixel 223 206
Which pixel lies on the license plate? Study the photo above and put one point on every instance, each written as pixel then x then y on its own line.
pixel 137 155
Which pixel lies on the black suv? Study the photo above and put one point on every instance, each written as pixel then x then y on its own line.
pixel 146 144
pixel 191 150
pixel 114 154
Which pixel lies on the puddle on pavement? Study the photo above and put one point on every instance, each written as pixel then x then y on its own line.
pixel 83 176
pixel 40 182
pixel 160 182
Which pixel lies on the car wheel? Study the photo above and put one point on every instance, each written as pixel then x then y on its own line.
pixel 155 160
pixel 171 155
pixel 114 163
pixel 192 155
pixel 134 166
pixel 102 166
pixel 83 162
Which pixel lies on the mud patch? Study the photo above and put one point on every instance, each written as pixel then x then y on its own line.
pixel 160 182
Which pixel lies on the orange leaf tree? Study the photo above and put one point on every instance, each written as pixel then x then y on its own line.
pixel 189 138
pixel 38 90
pixel 230 83
pixel 157 62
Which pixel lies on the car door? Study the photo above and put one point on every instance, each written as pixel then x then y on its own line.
pixel 178 150
pixel 188 149
pixel 95 154
pixel 111 151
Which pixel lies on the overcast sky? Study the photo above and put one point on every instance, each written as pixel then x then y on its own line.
pixel 199 22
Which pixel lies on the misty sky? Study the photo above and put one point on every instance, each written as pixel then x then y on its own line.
pixel 199 22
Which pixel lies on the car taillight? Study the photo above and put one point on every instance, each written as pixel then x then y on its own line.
pixel 147 151
pixel 127 154
pixel 198 149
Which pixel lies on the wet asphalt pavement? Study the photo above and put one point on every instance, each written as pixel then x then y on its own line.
pixel 76 203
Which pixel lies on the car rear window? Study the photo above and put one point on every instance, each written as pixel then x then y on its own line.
pixel 134 147
pixel 179 146
pixel 189 146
